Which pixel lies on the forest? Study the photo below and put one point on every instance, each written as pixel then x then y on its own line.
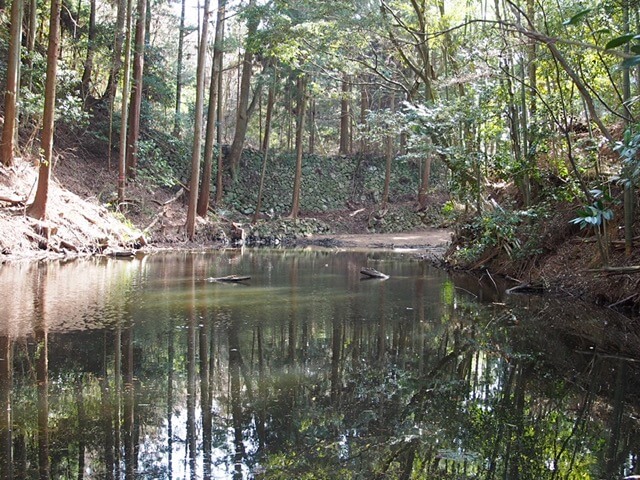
pixel 514 123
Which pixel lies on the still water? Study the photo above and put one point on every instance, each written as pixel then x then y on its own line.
pixel 143 368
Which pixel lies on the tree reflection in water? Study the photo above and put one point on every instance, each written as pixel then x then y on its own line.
pixel 308 372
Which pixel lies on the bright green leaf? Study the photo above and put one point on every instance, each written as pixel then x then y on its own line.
pixel 577 17
pixel 621 40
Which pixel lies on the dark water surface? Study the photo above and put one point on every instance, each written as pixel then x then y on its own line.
pixel 143 369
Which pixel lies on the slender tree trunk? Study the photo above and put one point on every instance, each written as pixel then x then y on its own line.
pixel 41 334
pixel 267 136
pixel 295 203
pixel 38 208
pixel 88 63
pixel 135 104
pixel 82 422
pixel 8 146
pixel 426 173
pixel 192 348
pixel 220 163
pixel 176 121
pixel 389 141
pixel 118 42
pixel 129 396
pixel 312 126
pixel 244 109
pixel 197 129
pixel 212 112
pixel 114 74
pixel 219 112
pixel 42 374
pixel 205 394
pixel 629 199
pixel 107 399
pixel 6 388
pixel 122 158
pixel 32 25
pixel 364 108
pixel 345 117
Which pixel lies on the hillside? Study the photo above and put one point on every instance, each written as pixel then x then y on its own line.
pixel 82 220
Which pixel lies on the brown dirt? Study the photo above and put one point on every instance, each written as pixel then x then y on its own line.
pixel 74 226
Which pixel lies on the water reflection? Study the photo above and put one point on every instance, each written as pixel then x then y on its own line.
pixel 142 369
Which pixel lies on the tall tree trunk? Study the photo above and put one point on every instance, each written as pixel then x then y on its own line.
pixel 205 394
pixel 41 334
pixel 197 128
pixel 42 374
pixel 38 208
pixel 192 348
pixel 88 63
pixel 426 173
pixel 345 117
pixel 135 104
pixel 244 108
pixel 7 146
pixel 629 199
pixel 364 107
pixel 118 42
pixel 265 146
pixel 122 158
pixel 220 165
pixel 295 203
pixel 129 397
pixel 219 112
pixel 106 410
pixel 312 126
pixel 176 120
pixel 114 74
pixel 6 387
pixel 389 141
pixel 32 28
pixel 212 112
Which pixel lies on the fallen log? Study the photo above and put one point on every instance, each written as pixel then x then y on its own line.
pixel 228 278
pixel 373 273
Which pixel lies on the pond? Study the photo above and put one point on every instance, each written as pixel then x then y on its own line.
pixel 144 368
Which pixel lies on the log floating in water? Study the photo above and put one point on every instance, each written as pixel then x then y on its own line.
pixel 228 278
pixel 120 253
pixel 372 273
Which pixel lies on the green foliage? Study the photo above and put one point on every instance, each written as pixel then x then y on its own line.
pixel 496 229
pixel 628 150
pixel 596 214
pixel 328 183
pixel 163 158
